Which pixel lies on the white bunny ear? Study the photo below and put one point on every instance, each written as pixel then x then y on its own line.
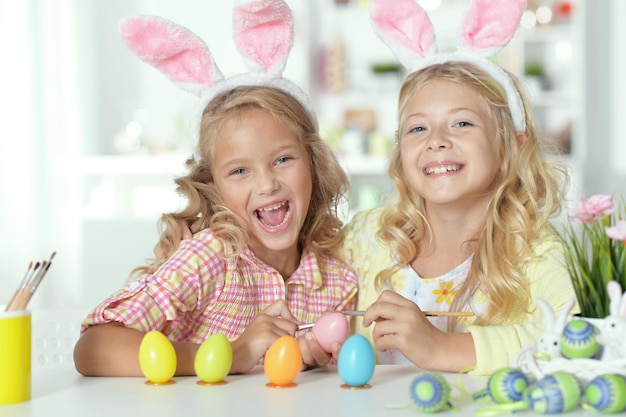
pixel 548 314
pixel 615 295
pixel 564 313
pixel 405 28
pixel 489 25
pixel 263 32
pixel 172 49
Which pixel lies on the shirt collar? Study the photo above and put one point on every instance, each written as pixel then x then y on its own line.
pixel 307 274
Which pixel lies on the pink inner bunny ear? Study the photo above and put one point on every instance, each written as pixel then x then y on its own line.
pixel 405 28
pixel 263 32
pixel 490 24
pixel 172 49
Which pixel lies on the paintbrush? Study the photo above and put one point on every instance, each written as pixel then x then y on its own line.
pixel 426 313
pixel 29 285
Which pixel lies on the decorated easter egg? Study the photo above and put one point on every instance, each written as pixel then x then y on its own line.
pixel 507 385
pixel 214 359
pixel 330 328
pixel 579 340
pixel 606 393
pixel 157 358
pixel 283 361
pixel 430 392
pixel 556 393
pixel 357 361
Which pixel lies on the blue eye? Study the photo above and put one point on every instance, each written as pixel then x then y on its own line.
pixel 283 159
pixel 417 129
pixel 464 124
pixel 238 171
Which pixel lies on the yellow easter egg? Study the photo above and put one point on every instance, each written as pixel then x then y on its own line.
pixel 214 359
pixel 283 361
pixel 157 358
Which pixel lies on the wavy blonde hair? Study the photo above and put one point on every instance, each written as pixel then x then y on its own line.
pixel 205 208
pixel 528 193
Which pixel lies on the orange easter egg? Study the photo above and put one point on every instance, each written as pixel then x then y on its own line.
pixel 283 361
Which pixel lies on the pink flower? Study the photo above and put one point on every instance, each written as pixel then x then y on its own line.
pixel 617 232
pixel 594 208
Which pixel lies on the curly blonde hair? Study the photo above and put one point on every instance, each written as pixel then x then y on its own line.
pixel 528 194
pixel 205 208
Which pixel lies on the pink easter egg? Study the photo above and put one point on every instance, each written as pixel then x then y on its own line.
pixel 330 328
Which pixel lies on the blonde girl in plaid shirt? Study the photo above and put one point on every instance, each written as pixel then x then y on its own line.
pixel 263 192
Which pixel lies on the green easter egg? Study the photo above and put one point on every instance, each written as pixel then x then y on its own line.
pixel 507 385
pixel 579 340
pixel 554 394
pixel 430 392
pixel 607 393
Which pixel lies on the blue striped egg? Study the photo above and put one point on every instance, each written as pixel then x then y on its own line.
pixel 579 340
pixel 607 393
pixel 430 392
pixel 554 394
pixel 507 385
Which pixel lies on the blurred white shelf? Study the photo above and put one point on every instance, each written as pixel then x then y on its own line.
pixel 121 165
pixel 365 165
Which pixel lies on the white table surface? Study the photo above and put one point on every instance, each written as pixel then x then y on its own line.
pixel 61 391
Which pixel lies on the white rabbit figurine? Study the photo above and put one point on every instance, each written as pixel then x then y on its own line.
pixel 613 330
pixel 549 345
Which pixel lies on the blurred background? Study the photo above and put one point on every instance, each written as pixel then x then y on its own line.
pixel 91 137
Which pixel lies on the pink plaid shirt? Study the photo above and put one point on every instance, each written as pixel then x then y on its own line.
pixel 197 292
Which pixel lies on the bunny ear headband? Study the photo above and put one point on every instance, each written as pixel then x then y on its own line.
pixel 263 34
pixel 487 27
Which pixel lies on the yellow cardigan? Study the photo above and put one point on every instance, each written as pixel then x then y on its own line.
pixel 497 345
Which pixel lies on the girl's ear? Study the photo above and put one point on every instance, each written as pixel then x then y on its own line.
pixel 521 138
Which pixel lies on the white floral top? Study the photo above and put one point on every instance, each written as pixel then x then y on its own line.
pixel 432 294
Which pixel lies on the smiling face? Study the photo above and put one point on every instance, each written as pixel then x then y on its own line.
pixel 449 145
pixel 263 173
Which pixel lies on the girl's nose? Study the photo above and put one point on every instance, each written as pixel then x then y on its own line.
pixel 267 183
pixel 438 140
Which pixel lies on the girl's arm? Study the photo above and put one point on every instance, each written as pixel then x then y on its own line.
pixel 113 350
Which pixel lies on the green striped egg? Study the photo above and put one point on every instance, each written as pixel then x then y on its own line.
pixel 556 393
pixel 607 393
pixel 579 340
pixel 507 385
pixel 430 392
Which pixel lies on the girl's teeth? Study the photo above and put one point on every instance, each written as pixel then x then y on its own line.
pixel 442 170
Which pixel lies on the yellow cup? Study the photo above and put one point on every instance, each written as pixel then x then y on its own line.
pixel 15 356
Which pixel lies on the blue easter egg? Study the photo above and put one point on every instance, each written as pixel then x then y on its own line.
pixel 579 340
pixel 430 392
pixel 554 394
pixel 607 393
pixel 507 385
pixel 357 361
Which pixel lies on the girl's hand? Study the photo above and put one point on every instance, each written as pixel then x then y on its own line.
pixel 312 353
pixel 273 322
pixel 401 325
